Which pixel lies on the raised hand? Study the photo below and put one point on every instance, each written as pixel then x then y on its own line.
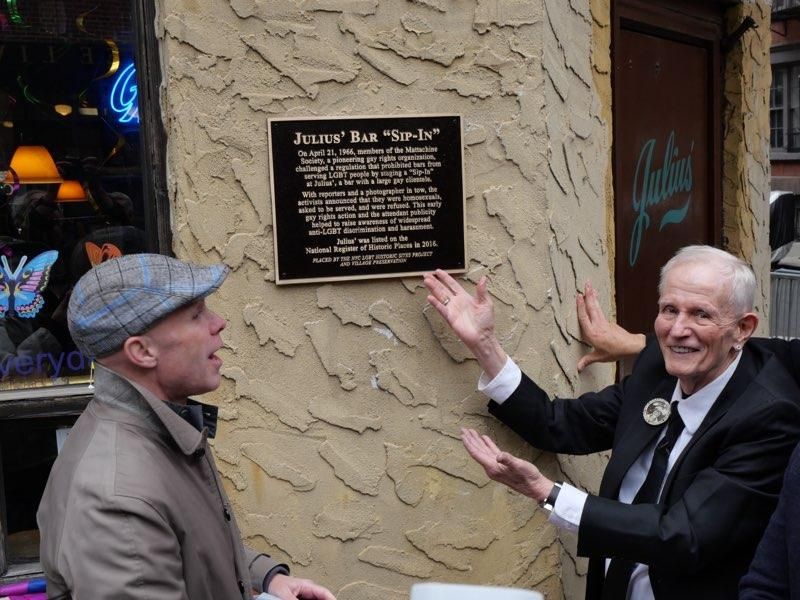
pixel 470 317
pixel 520 475
pixel 609 341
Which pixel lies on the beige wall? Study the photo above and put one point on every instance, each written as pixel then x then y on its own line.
pixel 341 403
pixel 746 173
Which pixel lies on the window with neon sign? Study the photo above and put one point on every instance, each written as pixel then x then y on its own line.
pixel 72 195
pixel 124 96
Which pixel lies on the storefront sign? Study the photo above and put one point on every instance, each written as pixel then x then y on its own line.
pixel 667 150
pixel 124 96
pixel 655 185
pixel 49 367
pixel 363 197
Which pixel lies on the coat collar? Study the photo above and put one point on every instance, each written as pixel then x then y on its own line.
pixel 636 438
pixel 146 408
pixel 740 381
pixel 639 435
pixel 694 408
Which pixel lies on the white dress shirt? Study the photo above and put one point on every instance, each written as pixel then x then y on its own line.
pixel 568 509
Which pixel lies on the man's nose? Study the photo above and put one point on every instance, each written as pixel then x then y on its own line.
pixel 217 323
pixel 681 325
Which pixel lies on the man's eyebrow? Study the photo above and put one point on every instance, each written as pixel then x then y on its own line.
pixel 695 306
pixel 190 306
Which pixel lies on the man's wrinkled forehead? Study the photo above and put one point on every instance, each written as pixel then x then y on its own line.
pixel 701 284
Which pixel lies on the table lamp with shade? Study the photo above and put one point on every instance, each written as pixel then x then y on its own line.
pixel 32 164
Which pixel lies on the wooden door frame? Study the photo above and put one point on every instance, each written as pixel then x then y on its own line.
pixel 696 23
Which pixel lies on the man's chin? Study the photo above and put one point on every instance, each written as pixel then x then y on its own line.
pixel 678 368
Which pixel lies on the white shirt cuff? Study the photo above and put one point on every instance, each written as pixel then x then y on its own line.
pixel 504 383
pixel 568 509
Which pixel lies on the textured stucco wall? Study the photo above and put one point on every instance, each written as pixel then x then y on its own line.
pixel 746 170
pixel 342 403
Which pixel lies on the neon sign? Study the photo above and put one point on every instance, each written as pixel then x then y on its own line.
pixel 124 96
pixel 654 185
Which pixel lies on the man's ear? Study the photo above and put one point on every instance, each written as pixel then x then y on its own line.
pixel 745 327
pixel 140 351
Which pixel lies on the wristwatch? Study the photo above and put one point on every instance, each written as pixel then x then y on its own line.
pixel 550 502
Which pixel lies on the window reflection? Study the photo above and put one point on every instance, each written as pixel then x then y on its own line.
pixel 70 176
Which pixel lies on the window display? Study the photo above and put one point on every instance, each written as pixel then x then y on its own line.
pixel 70 174
pixel 71 196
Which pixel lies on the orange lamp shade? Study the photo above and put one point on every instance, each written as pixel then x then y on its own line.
pixel 33 164
pixel 70 191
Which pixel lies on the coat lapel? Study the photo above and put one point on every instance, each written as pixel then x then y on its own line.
pixel 745 372
pixel 632 442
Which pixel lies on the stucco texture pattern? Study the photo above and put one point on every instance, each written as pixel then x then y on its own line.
pixel 746 168
pixel 341 403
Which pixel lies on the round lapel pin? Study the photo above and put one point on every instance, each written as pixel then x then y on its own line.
pixel 656 411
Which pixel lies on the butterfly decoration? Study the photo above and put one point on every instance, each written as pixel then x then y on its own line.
pixel 98 254
pixel 21 290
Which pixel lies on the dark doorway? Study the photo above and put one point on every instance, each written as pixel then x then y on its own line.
pixel 667 142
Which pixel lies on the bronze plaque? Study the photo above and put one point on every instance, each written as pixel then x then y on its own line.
pixel 366 197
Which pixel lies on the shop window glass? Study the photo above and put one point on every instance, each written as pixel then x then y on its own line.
pixel 784 108
pixel 779 5
pixel 72 182
pixel 794 107
pixel 72 194
pixel 776 109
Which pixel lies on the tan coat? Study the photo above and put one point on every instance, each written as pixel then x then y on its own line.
pixel 134 508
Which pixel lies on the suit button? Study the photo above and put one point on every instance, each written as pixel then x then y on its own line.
pixel 227 514
pixel 241 586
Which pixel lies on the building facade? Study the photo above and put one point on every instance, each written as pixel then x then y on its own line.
pixel 785 96
pixel 598 136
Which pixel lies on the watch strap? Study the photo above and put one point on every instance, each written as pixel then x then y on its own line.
pixel 550 502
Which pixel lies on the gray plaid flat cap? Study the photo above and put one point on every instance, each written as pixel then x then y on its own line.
pixel 128 295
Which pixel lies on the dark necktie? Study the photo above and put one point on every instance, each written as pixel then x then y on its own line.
pixel 619 571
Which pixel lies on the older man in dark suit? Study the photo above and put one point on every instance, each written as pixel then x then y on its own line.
pixel 701 432
pixel 771 575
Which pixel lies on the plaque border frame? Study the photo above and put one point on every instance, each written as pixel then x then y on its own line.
pixel 279 281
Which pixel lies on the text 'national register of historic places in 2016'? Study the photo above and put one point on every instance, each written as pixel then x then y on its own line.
pixel 366 197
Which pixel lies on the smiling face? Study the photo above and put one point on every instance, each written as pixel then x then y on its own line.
pixel 696 327
pixel 184 344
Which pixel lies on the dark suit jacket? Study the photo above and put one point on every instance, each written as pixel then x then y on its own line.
pixel 774 574
pixel 786 351
pixel 717 498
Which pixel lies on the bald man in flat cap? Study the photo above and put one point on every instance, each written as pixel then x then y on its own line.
pixel 134 507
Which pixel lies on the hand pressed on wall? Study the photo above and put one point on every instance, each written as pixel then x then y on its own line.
pixel 609 341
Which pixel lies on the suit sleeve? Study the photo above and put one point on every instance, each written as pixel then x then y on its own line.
pixel 582 425
pixel 706 523
pixel 571 426
pixel 771 576
pixel 787 351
